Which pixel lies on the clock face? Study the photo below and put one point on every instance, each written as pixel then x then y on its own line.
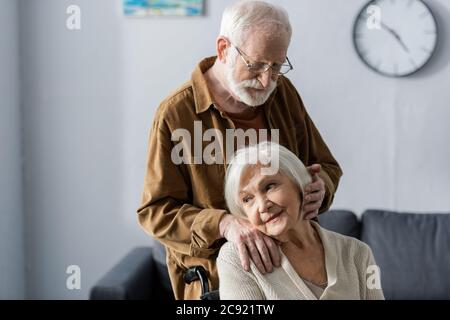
pixel 395 37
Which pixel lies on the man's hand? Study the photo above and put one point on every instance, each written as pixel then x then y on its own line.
pixel 251 243
pixel 314 193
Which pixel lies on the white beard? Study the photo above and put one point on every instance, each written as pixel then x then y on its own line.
pixel 241 91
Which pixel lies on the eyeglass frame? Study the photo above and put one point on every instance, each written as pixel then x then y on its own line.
pixel 268 66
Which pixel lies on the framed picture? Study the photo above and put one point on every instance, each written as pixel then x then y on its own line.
pixel 143 8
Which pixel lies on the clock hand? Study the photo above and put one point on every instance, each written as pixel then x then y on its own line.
pixel 396 36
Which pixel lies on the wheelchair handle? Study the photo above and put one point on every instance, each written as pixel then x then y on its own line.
pixel 197 273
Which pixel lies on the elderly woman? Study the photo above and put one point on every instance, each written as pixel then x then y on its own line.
pixel 316 263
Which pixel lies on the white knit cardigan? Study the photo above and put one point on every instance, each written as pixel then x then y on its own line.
pixel 347 263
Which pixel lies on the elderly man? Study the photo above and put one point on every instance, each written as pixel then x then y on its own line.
pixel 244 87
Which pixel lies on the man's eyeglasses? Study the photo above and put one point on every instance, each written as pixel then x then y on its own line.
pixel 261 67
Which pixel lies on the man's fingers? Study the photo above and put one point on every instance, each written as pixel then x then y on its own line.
pixel 256 258
pixel 315 186
pixel 310 207
pixel 264 254
pixel 243 254
pixel 315 168
pixel 312 187
pixel 273 250
pixel 314 197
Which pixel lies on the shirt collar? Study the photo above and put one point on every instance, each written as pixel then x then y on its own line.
pixel 331 252
pixel 203 99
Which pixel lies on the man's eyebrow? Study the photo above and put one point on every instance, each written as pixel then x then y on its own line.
pixel 273 63
pixel 260 59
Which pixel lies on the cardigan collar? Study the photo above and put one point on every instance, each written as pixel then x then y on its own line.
pixel 330 265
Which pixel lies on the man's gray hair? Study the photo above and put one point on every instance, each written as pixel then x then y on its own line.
pixel 246 15
pixel 288 163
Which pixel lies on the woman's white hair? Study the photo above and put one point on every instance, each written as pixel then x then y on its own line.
pixel 247 15
pixel 263 154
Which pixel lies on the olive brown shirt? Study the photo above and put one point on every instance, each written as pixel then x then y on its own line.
pixel 182 204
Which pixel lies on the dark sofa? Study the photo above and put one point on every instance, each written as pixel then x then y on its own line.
pixel 411 249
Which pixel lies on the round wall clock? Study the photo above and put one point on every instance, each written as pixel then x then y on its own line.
pixel 395 38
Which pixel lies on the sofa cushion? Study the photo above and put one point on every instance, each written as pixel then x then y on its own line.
pixel 341 221
pixel 412 251
pixel 159 255
pixel 130 279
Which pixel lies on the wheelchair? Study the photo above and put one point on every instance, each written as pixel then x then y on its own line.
pixel 198 273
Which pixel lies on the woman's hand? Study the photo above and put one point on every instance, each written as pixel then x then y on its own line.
pixel 251 243
pixel 314 193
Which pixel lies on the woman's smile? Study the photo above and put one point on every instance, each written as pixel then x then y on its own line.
pixel 274 218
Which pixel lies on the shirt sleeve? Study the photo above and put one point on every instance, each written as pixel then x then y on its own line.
pixel 166 211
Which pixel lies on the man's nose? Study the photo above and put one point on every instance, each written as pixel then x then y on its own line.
pixel 265 78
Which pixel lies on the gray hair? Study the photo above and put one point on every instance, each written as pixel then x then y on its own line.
pixel 289 165
pixel 245 15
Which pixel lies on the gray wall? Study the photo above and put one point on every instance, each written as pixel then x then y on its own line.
pixel 390 135
pixel 74 146
pixel 90 96
pixel 12 272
